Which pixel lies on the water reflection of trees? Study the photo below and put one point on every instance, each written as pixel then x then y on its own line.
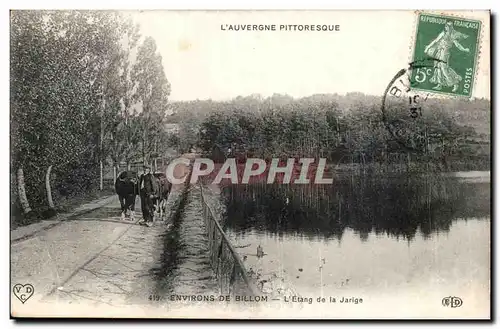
pixel 397 206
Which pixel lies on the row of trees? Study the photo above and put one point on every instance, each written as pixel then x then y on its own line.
pixel 86 88
pixel 341 128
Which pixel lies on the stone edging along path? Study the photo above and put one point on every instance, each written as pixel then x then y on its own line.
pixel 29 231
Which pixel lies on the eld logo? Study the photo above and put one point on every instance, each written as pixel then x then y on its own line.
pixel 452 302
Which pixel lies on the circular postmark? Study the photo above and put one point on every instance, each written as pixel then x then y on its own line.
pixel 404 107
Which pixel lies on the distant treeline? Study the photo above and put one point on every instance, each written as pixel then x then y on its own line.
pixel 343 129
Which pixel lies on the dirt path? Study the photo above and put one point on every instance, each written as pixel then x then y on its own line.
pixel 28 231
pixel 93 258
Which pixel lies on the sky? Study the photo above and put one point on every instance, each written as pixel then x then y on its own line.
pixel 203 62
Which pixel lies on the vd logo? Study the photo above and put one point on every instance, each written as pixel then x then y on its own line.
pixel 23 292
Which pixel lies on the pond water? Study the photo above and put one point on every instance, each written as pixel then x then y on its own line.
pixel 364 236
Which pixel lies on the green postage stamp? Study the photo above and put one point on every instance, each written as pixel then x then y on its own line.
pixel 451 44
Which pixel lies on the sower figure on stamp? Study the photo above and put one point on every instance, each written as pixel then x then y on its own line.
pixel 439 48
pixel 148 191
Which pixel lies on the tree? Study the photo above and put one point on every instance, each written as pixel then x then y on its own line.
pixel 151 91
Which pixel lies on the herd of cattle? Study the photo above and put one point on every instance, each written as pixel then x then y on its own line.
pixel 153 189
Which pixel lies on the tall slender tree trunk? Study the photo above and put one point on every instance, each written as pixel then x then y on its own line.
pixel 128 137
pixel 114 172
pixel 144 136
pixel 144 148
pixel 101 166
pixel 22 191
pixel 48 188
pixel 156 156
pixel 101 174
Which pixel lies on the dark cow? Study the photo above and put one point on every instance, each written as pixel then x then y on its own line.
pixel 126 186
pixel 154 191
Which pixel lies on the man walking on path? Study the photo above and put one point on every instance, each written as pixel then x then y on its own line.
pixel 147 191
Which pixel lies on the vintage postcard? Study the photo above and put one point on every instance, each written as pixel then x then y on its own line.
pixel 250 164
